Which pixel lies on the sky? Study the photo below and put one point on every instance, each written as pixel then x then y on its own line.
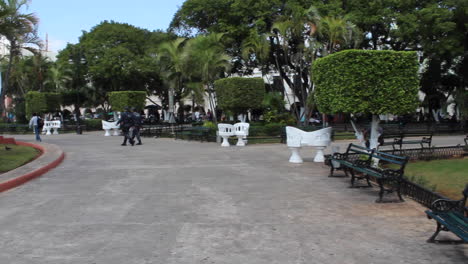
pixel 64 20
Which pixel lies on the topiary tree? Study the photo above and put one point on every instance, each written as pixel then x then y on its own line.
pixel 119 100
pixel 238 94
pixel 37 102
pixel 367 81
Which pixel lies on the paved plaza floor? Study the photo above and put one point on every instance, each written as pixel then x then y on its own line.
pixel 175 202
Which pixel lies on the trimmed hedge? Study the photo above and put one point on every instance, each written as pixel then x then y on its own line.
pixel 239 94
pixel 119 100
pixel 37 102
pixel 367 81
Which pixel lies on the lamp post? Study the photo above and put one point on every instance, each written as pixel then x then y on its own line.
pixel 79 61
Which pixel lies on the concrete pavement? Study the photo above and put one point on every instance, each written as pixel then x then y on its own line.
pixel 171 202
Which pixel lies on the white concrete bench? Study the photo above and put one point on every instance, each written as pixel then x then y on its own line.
pixel 241 131
pixel 49 125
pixel 297 138
pixel 225 131
pixel 108 126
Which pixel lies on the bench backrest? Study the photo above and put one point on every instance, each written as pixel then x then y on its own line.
pixel 390 158
pixel 52 124
pixel 225 129
pixel 109 125
pixel 242 128
pixel 357 149
pixel 297 137
pixel 372 153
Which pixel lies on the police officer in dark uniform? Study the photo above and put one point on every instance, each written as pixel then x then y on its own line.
pixel 126 122
pixel 137 122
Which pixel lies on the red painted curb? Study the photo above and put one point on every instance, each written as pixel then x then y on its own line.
pixel 34 174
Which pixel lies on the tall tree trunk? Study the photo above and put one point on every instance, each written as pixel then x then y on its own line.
pixel 171 106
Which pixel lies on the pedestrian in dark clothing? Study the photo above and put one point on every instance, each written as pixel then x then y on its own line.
pixel 137 123
pixel 126 123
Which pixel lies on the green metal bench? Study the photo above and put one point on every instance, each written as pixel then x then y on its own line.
pixel 425 138
pixel 358 159
pixel 451 216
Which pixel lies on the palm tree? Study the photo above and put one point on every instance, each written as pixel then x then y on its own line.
pixel 208 55
pixel 58 76
pixel 294 48
pixel 339 33
pixel 173 58
pixel 257 48
pixel 21 32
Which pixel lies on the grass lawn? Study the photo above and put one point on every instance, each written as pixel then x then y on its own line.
pixel 15 157
pixel 449 177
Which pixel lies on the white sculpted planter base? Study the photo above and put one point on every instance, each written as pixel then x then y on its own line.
pixel 297 138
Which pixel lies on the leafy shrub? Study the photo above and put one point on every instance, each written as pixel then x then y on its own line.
pixel 274 129
pixel 239 94
pixel 273 116
pixel 367 81
pixel 209 124
pixel 37 102
pixel 93 124
pixel 119 100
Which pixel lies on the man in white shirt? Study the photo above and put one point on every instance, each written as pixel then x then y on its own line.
pixel 34 123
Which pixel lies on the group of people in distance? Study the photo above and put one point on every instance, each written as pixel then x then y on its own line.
pixel 130 122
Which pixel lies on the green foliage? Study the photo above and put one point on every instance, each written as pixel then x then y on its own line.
pixel 72 97
pixel 36 102
pixel 239 94
pixel 273 101
pixel 273 129
pixel 93 124
pixel 20 110
pixel 209 124
pixel 119 100
pixel 54 100
pixel 364 81
pixel 273 116
pixel 116 56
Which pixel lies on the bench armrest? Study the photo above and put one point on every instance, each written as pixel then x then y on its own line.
pixel 390 174
pixel 445 205
pixel 339 156
pixel 362 163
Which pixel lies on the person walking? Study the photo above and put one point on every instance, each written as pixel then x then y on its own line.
pixel 35 123
pixel 137 122
pixel 126 123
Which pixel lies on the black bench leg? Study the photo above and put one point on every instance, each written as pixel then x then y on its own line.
pixel 346 172
pixel 353 178
pixel 368 182
pixel 331 170
pixel 432 238
pixel 399 191
pixel 381 192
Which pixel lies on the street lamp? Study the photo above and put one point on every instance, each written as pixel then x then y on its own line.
pixel 82 61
